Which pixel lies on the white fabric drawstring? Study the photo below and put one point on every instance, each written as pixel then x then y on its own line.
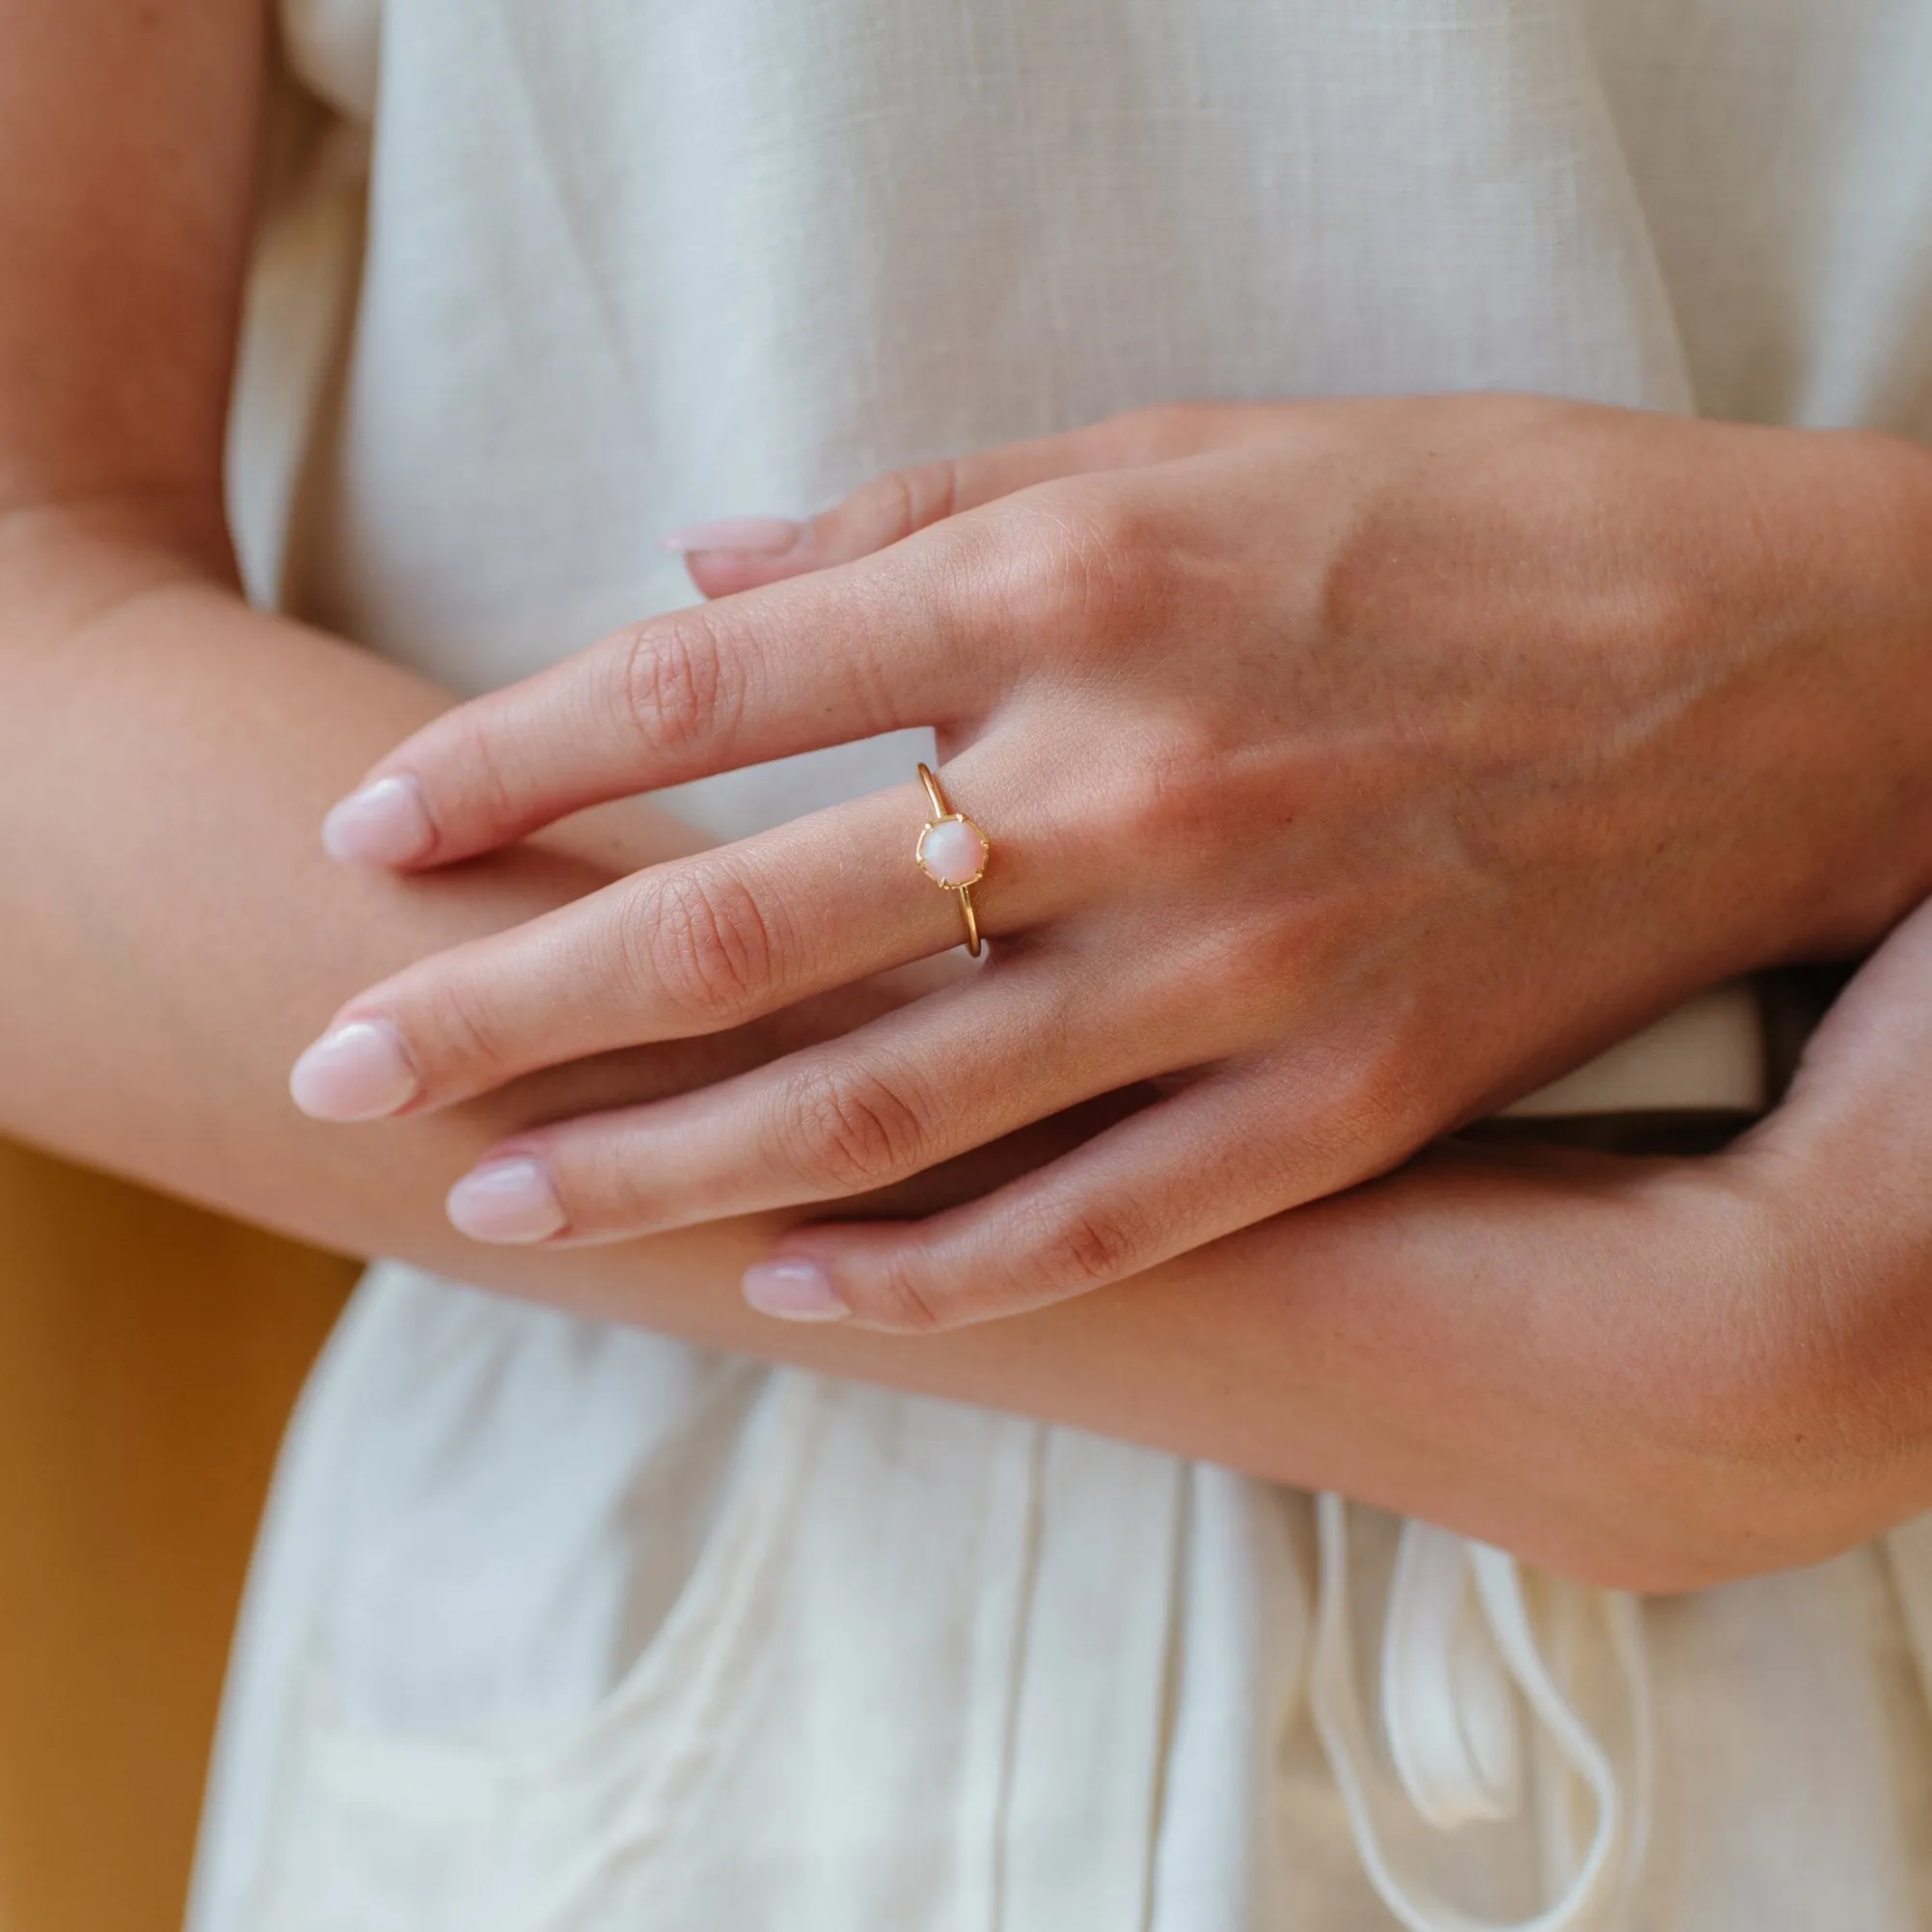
pixel 1447 1706
pixel 1459 1647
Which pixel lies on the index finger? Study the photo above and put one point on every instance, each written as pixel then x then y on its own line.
pixel 795 667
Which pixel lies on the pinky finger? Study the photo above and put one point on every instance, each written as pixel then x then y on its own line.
pixel 740 553
pixel 1132 1198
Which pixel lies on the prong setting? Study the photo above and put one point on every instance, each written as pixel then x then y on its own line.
pixel 952 859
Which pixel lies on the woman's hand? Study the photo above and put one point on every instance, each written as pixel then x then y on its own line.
pixel 1349 769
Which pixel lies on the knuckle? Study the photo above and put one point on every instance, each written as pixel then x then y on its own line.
pixel 1081 1248
pixel 909 500
pixel 1372 1113
pixel 1390 1106
pixel 700 942
pixel 470 1043
pixel 1174 788
pixel 1076 555
pixel 479 756
pixel 604 1190
pixel 677 688
pixel 1159 430
pixel 1396 1080
pixel 1257 976
pixel 905 1303
pixel 1173 808
pixel 848 1129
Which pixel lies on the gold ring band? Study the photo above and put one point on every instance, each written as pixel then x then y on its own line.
pixel 952 852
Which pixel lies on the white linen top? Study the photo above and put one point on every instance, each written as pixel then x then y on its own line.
pixel 558 1628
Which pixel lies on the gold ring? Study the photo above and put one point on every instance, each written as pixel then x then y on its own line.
pixel 952 853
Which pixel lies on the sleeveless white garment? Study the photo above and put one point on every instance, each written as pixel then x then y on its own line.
pixel 563 1628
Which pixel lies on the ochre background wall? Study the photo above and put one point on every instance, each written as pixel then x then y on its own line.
pixel 149 1356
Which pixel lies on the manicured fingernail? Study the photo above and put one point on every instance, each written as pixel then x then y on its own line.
pixel 794 1291
pixel 386 823
pixel 505 1201
pixel 358 1071
pixel 757 536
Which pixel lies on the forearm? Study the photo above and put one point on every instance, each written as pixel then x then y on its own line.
pixel 170 932
pixel 172 924
pixel 175 934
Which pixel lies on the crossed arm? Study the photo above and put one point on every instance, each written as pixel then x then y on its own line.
pixel 1637 1372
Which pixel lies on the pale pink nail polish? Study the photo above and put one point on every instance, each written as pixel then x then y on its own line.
pixel 794 1291
pixel 756 536
pixel 386 823
pixel 505 1201
pixel 358 1071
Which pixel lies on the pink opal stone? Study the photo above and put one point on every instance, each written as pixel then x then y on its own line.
pixel 953 852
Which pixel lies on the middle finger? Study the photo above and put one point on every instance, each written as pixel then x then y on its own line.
pixel 688 947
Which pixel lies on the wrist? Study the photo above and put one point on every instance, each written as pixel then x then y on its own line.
pixel 1834 1188
pixel 1849 565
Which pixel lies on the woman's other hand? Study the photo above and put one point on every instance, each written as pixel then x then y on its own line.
pixel 1657 1375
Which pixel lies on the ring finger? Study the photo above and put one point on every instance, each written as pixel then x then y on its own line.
pixel 957 1070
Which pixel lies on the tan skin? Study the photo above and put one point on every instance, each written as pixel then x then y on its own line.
pixel 1648 1373
pixel 1358 765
